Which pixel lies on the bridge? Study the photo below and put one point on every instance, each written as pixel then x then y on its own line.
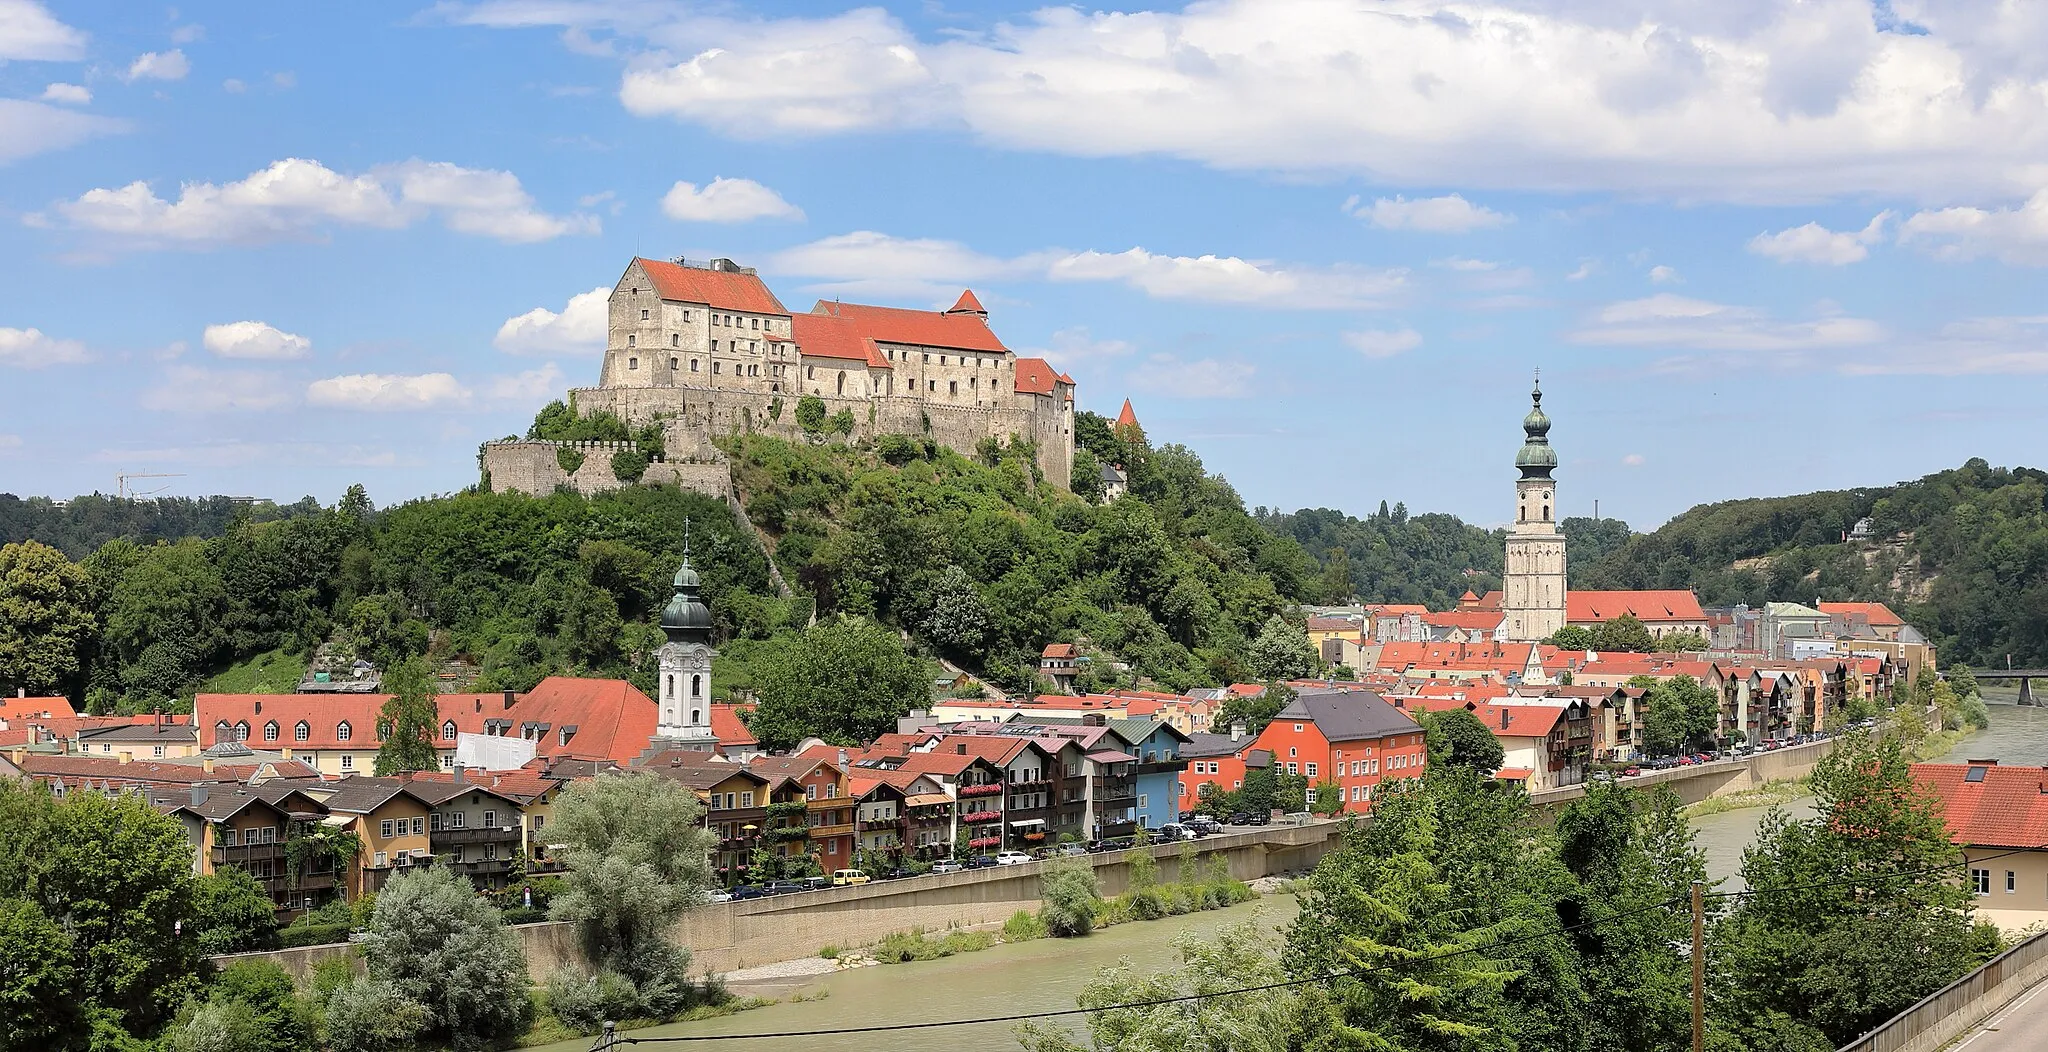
pixel 2024 676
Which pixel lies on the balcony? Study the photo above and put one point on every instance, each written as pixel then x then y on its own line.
pixel 739 843
pixel 247 853
pixel 845 829
pixel 991 789
pixel 1035 783
pixel 445 837
pixel 980 817
pixel 868 826
pixel 484 866
pixel 1160 767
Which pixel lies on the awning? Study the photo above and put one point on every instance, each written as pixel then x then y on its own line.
pixel 1029 822
pixel 1513 774
pixel 1111 756
pixel 927 799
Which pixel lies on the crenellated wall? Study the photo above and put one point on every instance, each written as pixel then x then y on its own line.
pixel 532 466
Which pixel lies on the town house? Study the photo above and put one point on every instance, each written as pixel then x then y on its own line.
pixel 1350 738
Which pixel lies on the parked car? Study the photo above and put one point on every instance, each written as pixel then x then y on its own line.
pixel 1259 818
pixel 1185 815
pixel 1240 818
pixel 1631 771
pixel 1012 858
pixel 748 891
pixel 1068 850
pixel 1174 831
pixel 846 877
pixel 1686 761
pixel 947 865
pixel 1203 825
pixel 981 862
pixel 717 895
pixel 783 887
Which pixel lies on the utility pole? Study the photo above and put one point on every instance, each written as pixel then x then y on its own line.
pixel 1699 969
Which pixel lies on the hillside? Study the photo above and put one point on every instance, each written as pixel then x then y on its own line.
pixel 1961 554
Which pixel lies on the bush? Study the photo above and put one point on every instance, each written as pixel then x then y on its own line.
pixel 1070 893
pixel 628 465
pixel 583 1001
pixel 1023 926
pixel 1147 904
pixel 312 935
pixel 830 953
pixel 569 459
pixel 370 1015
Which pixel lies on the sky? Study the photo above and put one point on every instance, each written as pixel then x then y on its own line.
pixel 1753 247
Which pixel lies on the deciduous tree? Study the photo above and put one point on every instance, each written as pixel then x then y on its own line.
pixel 1623 633
pixel 1283 652
pixel 845 680
pixel 46 619
pixel 411 721
pixel 1459 739
pixel 442 946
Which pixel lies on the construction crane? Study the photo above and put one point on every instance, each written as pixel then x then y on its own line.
pixel 123 492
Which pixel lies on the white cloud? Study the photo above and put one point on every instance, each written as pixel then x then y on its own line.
pixel 1663 275
pixel 74 94
pixel 1164 374
pixel 1451 214
pixel 388 393
pixel 1383 343
pixel 578 329
pixel 1634 460
pixel 1670 321
pixel 29 128
pixel 1228 279
pixel 2015 235
pixel 233 86
pixel 254 339
pixel 726 201
pixel 869 263
pixel 1814 243
pixel 32 349
pixel 28 32
pixel 1587 268
pixel 1741 101
pixel 1971 347
pixel 1072 346
pixel 297 199
pixel 284 80
pixel 186 34
pixel 532 385
pixel 159 65
pixel 188 389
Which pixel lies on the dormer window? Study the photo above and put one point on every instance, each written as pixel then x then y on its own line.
pixel 343 732
pixel 302 732
pixel 270 731
pixel 241 732
pixel 448 731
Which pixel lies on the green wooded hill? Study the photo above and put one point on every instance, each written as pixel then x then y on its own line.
pixel 1961 554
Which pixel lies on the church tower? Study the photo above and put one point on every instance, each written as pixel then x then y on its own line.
pixel 1533 585
pixel 684 717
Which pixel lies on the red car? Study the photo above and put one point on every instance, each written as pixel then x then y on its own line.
pixel 1631 772
pixel 1686 761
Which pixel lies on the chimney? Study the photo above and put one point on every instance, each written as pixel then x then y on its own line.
pixel 479 704
pixel 206 764
pixel 1503 719
pixel 458 774
pixel 198 795
pixel 21 692
pixel 285 753
pixel 126 757
pixel 906 748
pixel 1236 731
pixel 508 699
pixel 842 759
pixel 259 707
pixel 1093 719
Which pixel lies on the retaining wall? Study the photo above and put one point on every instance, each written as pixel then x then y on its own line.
pixel 1720 778
pixel 729 935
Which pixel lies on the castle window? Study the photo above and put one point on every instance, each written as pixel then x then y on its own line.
pixel 686 315
pixel 931 385
pixel 810 372
pixel 693 365
pixel 927 359
pixel 714 347
pixel 715 368
pixel 675 339
pixel 753 370
pixel 953 387
pixel 757 323
pixel 696 717
pixel 632 341
pixel 643 315
pixel 674 364
pixel 1546 513
pixel 632 363
pixel 842 381
pixel 942 359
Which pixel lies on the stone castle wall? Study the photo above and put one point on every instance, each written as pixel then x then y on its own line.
pixel 532 466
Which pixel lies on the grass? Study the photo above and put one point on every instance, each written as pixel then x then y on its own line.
pixel 547 1030
pixel 914 945
pixel 1783 791
pixel 276 672
pixel 830 953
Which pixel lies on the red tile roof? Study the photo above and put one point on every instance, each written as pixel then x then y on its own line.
pixel 1505 721
pixel 967 304
pixel 1036 376
pixel 724 289
pixel 613 720
pixel 832 336
pixel 324 714
pixel 732 733
pixel 1876 614
pixel 1646 606
pixel 109 771
pixel 1058 650
pixel 1127 418
pixel 2007 808
pixel 1486 620
pixel 1331 624
pixel 12 709
pixel 1396 609
pixel 917 328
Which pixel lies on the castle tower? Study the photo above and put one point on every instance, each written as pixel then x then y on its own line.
pixel 684 717
pixel 1534 583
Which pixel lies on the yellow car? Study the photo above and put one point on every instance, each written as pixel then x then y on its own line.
pixel 846 877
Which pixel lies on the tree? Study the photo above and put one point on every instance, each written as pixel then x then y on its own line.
pixel 841 422
pixel 628 465
pixel 373 1015
pixel 845 680
pixel 252 1007
pixel 46 619
pixel 638 857
pixel 1459 739
pixel 231 912
pixel 39 1005
pixel 1256 710
pixel 1879 919
pixel 1623 633
pixel 1683 713
pixel 442 946
pixel 1068 893
pixel 411 720
pixel 810 415
pixel 1682 643
pixel 1283 652
pixel 1572 637
pixel 958 620
pixel 1200 1011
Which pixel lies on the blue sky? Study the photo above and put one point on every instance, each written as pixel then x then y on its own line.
pixel 1754 247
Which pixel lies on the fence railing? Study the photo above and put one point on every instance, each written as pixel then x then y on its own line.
pixel 1943 1015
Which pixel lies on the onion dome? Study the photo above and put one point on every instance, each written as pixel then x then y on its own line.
pixel 1536 458
pixel 686 619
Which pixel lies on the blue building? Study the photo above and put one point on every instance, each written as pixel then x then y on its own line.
pixel 1157 746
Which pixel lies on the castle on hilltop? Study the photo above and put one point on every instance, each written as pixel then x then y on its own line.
pixel 707 349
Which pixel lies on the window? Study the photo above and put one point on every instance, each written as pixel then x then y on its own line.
pixel 633 341
pixel 675 365
pixel 715 368
pixel 675 339
pixel 1297 728
pixel 378 861
pixel 241 732
pixel 2012 882
pixel 229 838
pixel 953 387
pixel 1141 801
pixel 693 365
pixel 348 762
pixel 342 731
pixel 270 731
pixel 156 750
pixel 490 851
pixel 747 799
pixel 1309 769
pixel 436 820
pixel 448 731
pixel 491 819
pixel 810 792
pixel 686 315
pixel 269 835
pixel 384 829
pixel 1291 770
pixel 302 731
pixel 1980 881
pixel 457 819
pixel 643 315
pixel 1291 751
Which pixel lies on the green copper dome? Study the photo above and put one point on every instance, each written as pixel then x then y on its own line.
pixel 1536 458
pixel 686 619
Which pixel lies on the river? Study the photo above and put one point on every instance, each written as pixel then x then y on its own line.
pixel 1048 974
pixel 1045 975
